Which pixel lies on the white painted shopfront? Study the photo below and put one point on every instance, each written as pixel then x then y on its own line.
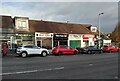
pixel 88 40
pixel 44 39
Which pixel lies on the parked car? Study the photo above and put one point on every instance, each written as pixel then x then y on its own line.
pixel 26 50
pixel 63 49
pixel 110 48
pixel 89 50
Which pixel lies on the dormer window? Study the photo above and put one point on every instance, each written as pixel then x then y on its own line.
pixel 93 29
pixel 22 25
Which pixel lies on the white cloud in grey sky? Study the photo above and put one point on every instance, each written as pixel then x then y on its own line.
pixel 75 12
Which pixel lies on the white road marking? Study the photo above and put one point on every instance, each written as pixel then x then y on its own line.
pixel 90 64
pixel 60 68
pixel 116 77
pixel 31 71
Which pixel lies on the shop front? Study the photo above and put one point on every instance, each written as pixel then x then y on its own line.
pixel 88 40
pixel 60 39
pixel 24 38
pixel 75 40
pixel 44 40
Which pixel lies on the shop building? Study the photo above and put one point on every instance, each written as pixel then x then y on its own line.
pixel 75 40
pixel 22 31
pixel 88 40
pixel 44 39
pixel 52 34
pixel 6 30
pixel 48 34
pixel 60 39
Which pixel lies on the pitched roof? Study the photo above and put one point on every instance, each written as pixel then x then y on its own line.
pixel 57 27
pixel 6 22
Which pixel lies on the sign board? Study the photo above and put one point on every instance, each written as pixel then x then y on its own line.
pixel 106 41
pixel 87 36
pixel 43 34
pixel 60 37
pixel 74 37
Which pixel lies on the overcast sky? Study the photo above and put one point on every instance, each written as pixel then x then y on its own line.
pixel 74 12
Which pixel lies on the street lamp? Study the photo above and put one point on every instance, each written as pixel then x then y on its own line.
pixel 99 26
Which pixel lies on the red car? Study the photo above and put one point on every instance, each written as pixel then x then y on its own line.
pixel 63 49
pixel 110 48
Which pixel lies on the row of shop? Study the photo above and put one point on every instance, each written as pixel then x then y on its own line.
pixel 51 40
pixel 48 34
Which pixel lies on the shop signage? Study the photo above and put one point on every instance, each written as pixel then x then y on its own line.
pixel 43 35
pixel 87 36
pixel 24 34
pixel 75 37
pixel 106 41
pixel 60 37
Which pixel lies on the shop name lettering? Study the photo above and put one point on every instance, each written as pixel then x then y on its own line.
pixel 88 36
pixel 61 35
pixel 44 35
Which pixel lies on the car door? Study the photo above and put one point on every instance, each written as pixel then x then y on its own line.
pixel 64 49
pixel 29 49
pixel 114 48
pixel 70 50
pixel 36 50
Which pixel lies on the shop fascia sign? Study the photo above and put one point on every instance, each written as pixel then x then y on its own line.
pixel 106 41
pixel 87 36
pixel 61 35
pixel 44 34
pixel 75 35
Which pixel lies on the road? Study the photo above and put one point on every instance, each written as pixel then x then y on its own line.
pixel 96 66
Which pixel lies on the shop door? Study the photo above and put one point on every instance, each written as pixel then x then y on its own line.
pixel 39 43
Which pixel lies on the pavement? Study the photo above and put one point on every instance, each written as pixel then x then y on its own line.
pixel 94 66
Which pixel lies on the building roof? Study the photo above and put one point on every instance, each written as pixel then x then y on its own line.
pixel 58 27
pixel 6 22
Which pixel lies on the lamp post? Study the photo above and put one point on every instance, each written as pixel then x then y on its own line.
pixel 99 26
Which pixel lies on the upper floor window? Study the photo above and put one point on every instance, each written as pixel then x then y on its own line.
pixel 22 24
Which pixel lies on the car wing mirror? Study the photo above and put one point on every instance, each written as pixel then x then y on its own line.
pixel 38 47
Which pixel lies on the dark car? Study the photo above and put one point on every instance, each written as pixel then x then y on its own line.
pixel 89 50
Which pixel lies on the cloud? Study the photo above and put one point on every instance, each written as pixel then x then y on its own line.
pixel 75 12
pixel 61 1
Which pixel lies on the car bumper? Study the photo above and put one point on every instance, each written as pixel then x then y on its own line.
pixel 54 52
pixel 18 52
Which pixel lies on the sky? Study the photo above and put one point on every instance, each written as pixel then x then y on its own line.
pixel 77 12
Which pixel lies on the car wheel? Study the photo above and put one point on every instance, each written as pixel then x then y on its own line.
pixel 24 54
pixel 118 50
pixel 89 52
pixel 44 54
pixel 100 52
pixel 110 51
pixel 75 52
pixel 59 53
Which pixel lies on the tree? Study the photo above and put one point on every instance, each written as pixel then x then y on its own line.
pixel 116 35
